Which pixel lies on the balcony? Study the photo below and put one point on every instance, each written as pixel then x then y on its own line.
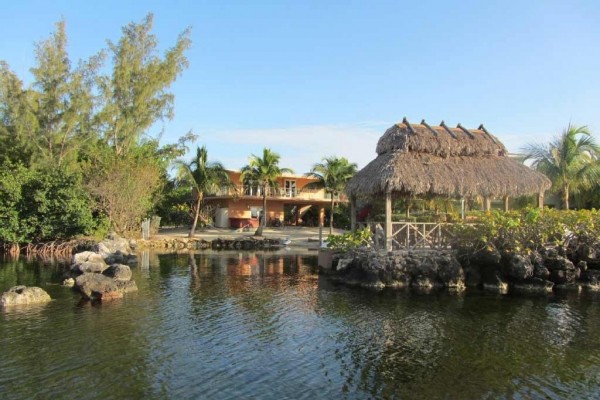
pixel 279 193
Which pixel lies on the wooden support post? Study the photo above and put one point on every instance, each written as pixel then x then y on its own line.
pixel 388 220
pixel 541 201
pixel 487 203
pixel 353 213
pixel 505 203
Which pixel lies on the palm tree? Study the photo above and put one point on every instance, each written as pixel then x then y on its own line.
pixel 332 174
pixel 570 161
pixel 263 171
pixel 203 176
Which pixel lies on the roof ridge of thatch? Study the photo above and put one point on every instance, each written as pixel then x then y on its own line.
pixel 439 140
pixel 421 174
pixel 420 159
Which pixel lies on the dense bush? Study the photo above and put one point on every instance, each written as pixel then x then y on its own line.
pixel 38 206
pixel 529 230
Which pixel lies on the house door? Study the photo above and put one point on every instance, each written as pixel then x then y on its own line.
pixel 290 188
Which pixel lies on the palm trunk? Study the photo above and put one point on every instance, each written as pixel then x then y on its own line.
pixel 263 220
pixel 196 215
pixel 331 216
pixel 566 197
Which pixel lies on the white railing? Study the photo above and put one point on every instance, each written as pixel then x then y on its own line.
pixel 413 235
pixel 254 191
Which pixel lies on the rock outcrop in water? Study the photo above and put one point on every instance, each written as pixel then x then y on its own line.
pixel 23 295
pixel 423 269
pixel 102 274
pixel 538 272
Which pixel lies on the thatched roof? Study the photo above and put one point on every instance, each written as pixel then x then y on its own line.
pixel 419 159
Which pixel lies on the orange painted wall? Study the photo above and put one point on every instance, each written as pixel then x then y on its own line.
pixel 241 208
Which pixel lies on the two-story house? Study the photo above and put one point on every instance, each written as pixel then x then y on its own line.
pixel 241 205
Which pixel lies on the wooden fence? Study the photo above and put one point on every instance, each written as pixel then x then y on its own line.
pixel 413 235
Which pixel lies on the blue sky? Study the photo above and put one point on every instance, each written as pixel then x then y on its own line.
pixel 316 78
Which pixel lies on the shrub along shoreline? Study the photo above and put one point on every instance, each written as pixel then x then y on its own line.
pixel 528 250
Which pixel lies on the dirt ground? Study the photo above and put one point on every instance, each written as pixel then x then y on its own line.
pixel 303 237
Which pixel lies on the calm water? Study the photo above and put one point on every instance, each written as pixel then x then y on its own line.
pixel 230 326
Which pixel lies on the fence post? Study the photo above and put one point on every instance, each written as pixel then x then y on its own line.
pixel 388 220
pixel 146 229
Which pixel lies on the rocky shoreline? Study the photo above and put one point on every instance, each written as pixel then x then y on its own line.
pixel 242 243
pixel 100 273
pixel 541 272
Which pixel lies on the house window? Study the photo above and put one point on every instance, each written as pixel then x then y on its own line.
pixel 290 188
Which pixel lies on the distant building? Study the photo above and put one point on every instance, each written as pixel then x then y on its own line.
pixel 288 203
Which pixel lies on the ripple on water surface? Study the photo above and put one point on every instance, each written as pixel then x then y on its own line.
pixel 255 325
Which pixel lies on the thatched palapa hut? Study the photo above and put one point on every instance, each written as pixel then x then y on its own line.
pixel 422 160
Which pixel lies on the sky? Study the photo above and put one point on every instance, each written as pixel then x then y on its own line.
pixel 310 79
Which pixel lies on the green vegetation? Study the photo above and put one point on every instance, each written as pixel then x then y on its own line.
pixel 332 173
pixel 263 172
pixel 528 230
pixel 571 161
pixel 203 177
pixel 75 151
pixel 350 240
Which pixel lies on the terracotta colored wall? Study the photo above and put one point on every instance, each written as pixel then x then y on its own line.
pixel 241 208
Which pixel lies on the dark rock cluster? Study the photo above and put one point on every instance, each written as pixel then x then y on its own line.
pixel 422 269
pixel 538 272
pixel 104 273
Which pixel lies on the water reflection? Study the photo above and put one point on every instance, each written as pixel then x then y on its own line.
pixel 264 325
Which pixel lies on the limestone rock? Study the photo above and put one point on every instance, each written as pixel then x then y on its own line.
pixel 89 267
pixel 98 287
pixel 518 267
pixel 119 272
pixel 118 244
pixel 127 286
pixel 86 256
pixel 23 295
pixel 562 271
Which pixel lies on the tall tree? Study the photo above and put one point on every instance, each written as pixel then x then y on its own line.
pixel 136 95
pixel 17 118
pixel 204 176
pixel 264 172
pixel 64 100
pixel 570 161
pixel 133 98
pixel 332 174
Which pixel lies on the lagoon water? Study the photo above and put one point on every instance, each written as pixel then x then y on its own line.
pixel 265 326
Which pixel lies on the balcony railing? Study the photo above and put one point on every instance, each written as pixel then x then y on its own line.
pixel 254 191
